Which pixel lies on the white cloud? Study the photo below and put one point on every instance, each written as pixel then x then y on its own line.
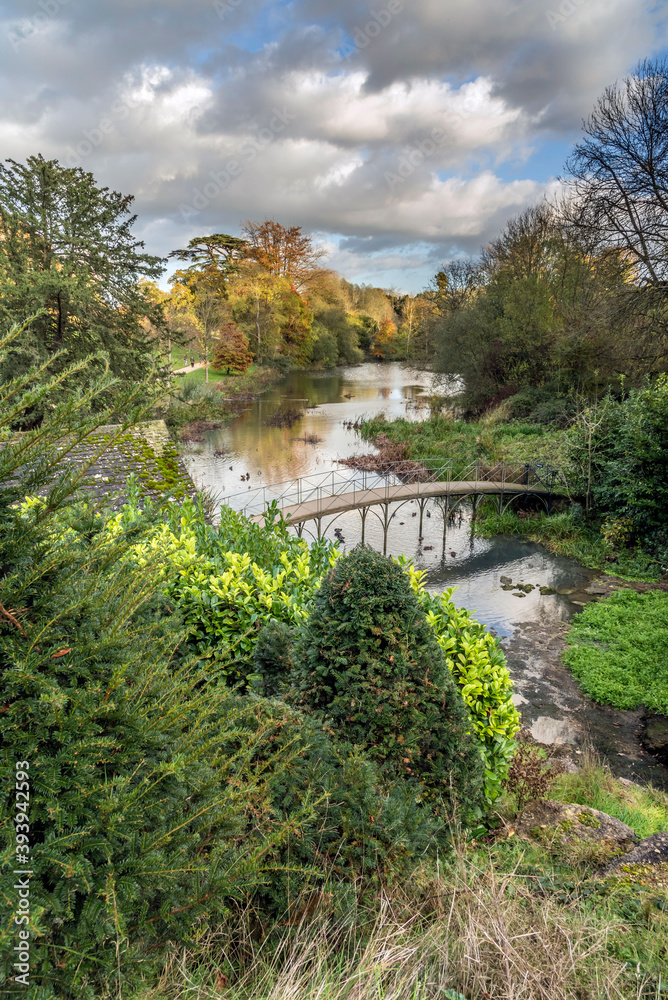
pixel 184 94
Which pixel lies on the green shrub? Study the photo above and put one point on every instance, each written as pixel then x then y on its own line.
pixel 362 826
pixel 141 776
pixel 477 663
pixel 368 661
pixel 273 657
pixel 228 581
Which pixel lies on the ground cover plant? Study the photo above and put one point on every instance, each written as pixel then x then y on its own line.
pixel 617 650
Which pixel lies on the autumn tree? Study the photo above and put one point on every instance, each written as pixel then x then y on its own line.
pixel 231 353
pixel 284 251
pixel 385 344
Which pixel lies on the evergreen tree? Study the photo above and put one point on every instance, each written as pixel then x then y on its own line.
pixel 140 773
pixel 67 251
pixel 368 661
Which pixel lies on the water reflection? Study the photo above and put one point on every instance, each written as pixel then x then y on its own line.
pixel 456 558
pixel 274 454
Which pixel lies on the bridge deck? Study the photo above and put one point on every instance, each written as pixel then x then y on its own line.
pixel 355 499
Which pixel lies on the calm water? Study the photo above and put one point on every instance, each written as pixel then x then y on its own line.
pixel 550 701
pixel 337 398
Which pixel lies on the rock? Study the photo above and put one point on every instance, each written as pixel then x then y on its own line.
pixel 519 595
pixel 547 590
pixel 505 579
pixel 551 822
pixel 652 851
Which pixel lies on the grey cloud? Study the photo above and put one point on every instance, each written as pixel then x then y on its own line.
pixel 214 83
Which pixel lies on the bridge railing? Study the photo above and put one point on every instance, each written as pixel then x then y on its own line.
pixel 380 480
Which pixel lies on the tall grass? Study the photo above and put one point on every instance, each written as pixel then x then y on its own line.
pixel 442 438
pixel 642 807
pixel 471 931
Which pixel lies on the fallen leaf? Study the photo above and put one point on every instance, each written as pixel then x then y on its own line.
pixel 61 652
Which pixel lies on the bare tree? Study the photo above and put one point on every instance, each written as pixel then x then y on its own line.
pixel 619 172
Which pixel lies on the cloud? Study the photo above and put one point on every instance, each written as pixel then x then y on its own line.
pixel 396 130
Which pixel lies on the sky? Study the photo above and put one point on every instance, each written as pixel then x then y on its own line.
pixel 399 133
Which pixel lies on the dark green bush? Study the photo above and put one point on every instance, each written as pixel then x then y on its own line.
pixel 273 657
pixel 363 826
pixel 368 661
pixel 142 777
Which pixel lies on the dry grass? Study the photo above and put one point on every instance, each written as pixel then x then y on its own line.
pixel 472 932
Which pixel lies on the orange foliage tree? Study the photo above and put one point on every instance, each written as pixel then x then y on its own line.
pixel 284 251
pixel 231 353
pixel 385 342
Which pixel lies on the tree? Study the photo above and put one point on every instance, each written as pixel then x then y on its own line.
pixel 368 661
pixel 214 258
pixel 619 171
pixel 199 296
pixel 284 251
pixel 619 187
pixel 67 251
pixel 231 352
pixel 386 344
pixel 537 318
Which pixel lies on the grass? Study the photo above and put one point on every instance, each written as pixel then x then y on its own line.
pixel 442 438
pixel 643 808
pixel 617 648
pixel 510 920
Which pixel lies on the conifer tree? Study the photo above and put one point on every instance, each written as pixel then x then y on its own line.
pixel 368 661
pixel 140 775
pixel 68 254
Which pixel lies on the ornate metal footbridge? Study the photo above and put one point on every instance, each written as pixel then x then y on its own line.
pixel 331 494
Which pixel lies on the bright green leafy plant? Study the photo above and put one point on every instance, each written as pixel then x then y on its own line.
pixel 229 580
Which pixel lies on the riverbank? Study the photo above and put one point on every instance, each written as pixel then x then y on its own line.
pixel 492 441
pixel 196 404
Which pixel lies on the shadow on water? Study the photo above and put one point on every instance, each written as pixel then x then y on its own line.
pixel 486 572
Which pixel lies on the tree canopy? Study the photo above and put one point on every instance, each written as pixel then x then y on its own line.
pixel 67 252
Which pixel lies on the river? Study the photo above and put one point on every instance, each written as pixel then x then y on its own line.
pixel 247 453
